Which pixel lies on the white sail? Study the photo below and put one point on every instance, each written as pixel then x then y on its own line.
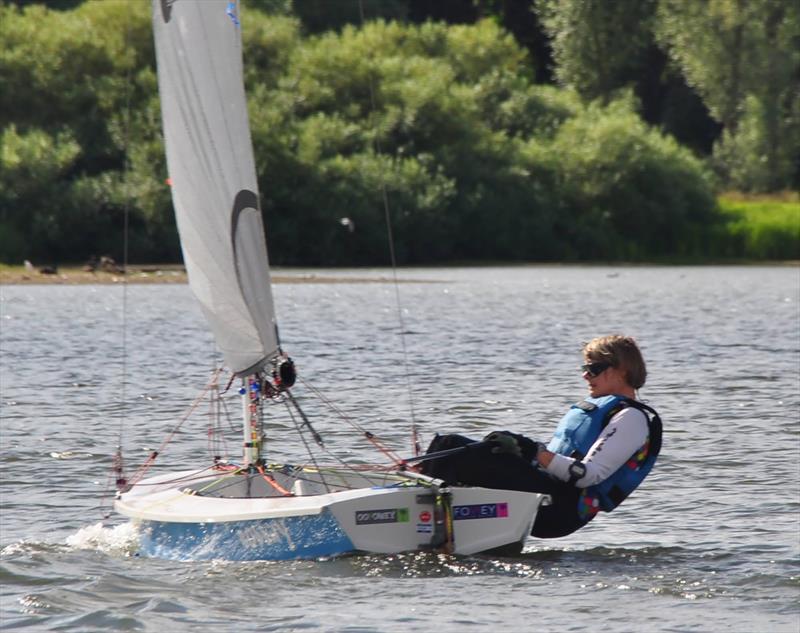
pixel 213 176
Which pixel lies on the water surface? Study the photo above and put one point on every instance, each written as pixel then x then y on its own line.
pixel 710 543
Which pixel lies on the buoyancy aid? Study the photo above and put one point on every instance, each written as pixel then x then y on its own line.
pixel 581 427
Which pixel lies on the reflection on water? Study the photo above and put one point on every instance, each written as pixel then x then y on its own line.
pixel 709 543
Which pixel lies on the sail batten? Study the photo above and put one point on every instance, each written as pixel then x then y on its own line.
pixel 212 172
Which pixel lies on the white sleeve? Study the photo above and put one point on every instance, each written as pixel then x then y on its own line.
pixel 625 433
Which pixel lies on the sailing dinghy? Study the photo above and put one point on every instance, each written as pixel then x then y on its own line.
pixel 255 510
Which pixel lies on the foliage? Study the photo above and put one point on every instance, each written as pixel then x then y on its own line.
pixel 632 191
pixel 759 228
pixel 32 165
pixel 426 114
pixel 742 57
pixel 597 44
pixel 71 79
pixel 439 127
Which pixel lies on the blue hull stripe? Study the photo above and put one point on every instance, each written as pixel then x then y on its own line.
pixel 285 538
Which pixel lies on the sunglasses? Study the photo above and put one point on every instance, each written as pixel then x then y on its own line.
pixel 595 369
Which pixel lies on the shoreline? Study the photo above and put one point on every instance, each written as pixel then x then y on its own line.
pixel 154 274
pixel 176 273
pixel 69 275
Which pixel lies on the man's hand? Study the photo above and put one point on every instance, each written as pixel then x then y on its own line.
pixel 505 443
pixel 513 444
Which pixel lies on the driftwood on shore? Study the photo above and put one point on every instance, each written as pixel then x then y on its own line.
pixel 107 274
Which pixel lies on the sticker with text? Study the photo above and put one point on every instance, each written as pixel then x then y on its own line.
pixel 481 511
pixel 393 515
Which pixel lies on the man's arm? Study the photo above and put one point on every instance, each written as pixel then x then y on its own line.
pixel 625 433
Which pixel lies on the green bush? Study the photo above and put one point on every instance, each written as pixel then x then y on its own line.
pixel 476 162
pixel 631 192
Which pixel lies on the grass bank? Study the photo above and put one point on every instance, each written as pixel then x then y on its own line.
pixel 757 227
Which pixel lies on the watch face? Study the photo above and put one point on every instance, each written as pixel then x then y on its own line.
pixel 577 470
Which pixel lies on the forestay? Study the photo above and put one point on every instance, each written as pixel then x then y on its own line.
pixel 213 177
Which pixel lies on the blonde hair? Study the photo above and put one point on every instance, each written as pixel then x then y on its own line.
pixel 622 352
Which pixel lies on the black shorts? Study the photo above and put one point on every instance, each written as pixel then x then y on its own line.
pixel 478 466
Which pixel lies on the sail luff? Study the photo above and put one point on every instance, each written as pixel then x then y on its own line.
pixel 212 172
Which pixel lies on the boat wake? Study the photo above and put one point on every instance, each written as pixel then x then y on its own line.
pixel 117 539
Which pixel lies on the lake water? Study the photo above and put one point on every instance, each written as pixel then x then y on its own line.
pixel 711 542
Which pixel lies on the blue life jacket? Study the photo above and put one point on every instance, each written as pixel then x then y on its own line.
pixel 581 427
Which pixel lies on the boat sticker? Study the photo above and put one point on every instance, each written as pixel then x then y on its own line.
pixel 393 515
pixel 481 511
pixel 231 11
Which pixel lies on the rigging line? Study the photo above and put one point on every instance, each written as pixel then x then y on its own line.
pixel 345 465
pixel 125 227
pixel 274 482
pixel 117 461
pixel 367 434
pixel 390 236
pixel 306 422
pixel 200 475
pixel 149 461
pixel 299 428
pixel 305 443
pixel 217 443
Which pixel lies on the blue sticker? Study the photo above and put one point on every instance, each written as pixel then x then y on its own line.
pixel 231 11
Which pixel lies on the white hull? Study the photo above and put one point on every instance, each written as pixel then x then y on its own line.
pixel 183 516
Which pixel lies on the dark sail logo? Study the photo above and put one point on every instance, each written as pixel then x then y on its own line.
pixel 166 9
pixel 245 202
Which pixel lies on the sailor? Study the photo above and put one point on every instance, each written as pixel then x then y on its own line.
pixel 600 452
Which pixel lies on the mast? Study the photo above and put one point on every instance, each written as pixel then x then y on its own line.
pixel 252 416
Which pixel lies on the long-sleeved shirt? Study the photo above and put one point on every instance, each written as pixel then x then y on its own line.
pixel 626 432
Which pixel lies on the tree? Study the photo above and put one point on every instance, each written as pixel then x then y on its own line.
pixel 443 121
pixel 627 189
pixel 742 57
pixel 597 45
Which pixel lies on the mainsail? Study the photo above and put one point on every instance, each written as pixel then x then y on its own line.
pixel 213 176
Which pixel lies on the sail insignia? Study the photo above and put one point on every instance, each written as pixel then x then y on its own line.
pixel 247 237
pixel 231 11
pixel 166 9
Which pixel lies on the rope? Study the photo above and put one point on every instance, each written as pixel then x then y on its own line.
pixel 272 482
pixel 305 443
pixel 217 443
pixel 149 461
pixel 390 235
pixel 118 466
pixel 398 461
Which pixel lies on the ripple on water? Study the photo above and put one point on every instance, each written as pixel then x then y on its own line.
pixel 711 528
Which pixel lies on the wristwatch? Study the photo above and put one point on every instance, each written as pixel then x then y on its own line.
pixel 577 470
